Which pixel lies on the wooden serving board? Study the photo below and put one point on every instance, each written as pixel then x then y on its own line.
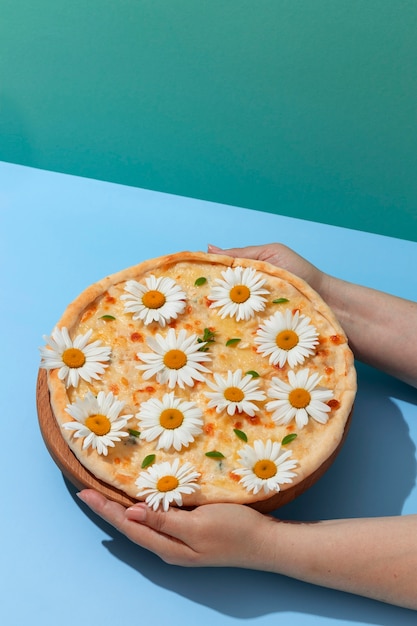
pixel 81 478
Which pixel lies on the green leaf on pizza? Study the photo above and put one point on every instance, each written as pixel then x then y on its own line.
pixel 240 434
pixel 215 454
pixel 233 341
pixel 148 460
pixel 288 438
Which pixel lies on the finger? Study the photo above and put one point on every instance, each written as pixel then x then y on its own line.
pixel 110 511
pixel 248 252
pixel 172 523
pixel 167 548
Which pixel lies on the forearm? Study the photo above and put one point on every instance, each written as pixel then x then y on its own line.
pixel 381 328
pixel 374 557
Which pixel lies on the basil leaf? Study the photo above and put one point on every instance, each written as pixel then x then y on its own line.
pixel 107 317
pixel 200 281
pixel 232 342
pixel 253 373
pixel 280 300
pixel 240 434
pixel 288 438
pixel 215 454
pixel 148 460
pixel 133 433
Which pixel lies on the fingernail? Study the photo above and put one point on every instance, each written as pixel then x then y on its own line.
pixel 212 247
pixel 137 512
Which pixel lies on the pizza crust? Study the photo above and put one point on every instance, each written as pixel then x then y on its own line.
pixel 315 445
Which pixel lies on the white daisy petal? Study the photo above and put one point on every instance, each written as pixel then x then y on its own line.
pixel 75 359
pixel 164 483
pixel 173 421
pixel 234 393
pixel 175 360
pixel 240 294
pixel 97 420
pixel 298 399
pixel 286 337
pixel 265 466
pixel 159 300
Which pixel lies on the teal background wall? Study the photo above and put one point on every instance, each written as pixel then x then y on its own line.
pixel 306 108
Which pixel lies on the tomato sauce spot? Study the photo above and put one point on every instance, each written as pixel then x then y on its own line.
pixel 333 404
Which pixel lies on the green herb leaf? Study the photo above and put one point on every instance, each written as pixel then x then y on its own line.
pixel 200 281
pixel 207 338
pixel 215 454
pixel 148 460
pixel 232 342
pixel 107 317
pixel 253 373
pixel 240 434
pixel 288 438
pixel 133 433
pixel 280 300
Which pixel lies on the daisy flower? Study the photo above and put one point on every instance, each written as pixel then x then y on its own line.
pixel 174 360
pixel 160 300
pixel 164 483
pixel 97 421
pixel 265 466
pixel 174 422
pixel 286 337
pixel 234 393
pixel 239 294
pixel 299 399
pixel 75 359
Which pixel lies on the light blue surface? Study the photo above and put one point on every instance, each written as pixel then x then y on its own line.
pixel 59 564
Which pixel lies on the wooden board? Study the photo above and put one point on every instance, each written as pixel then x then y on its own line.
pixel 81 478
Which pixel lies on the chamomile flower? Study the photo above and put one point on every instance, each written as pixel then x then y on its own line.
pixel 164 483
pixel 75 358
pixel 174 360
pixel 299 399
pixel 239 294
pixel 173 421
pixel 97 421
pixel 286 337
pixel 265 466
pixel 159 300
pixel 234 393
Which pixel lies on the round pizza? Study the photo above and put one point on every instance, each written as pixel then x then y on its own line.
pixel 195 378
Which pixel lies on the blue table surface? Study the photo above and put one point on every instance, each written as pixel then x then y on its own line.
pixel 62 565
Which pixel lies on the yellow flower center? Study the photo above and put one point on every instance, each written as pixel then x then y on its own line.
pixel 167 483
pixel 171 418
pixel 299 398
pixel 153 299
pixel 239 294
pixel 98 424
pixel 286 339
pixel 265 469
pixel 175 359
pixel 234 394
pixel 73 357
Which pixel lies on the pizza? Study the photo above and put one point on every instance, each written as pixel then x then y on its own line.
pixel 195 378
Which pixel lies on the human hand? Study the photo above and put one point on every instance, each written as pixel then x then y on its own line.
pixel 229 535
pixel 280 255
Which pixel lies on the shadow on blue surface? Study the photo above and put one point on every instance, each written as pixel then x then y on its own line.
pixel 372 476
